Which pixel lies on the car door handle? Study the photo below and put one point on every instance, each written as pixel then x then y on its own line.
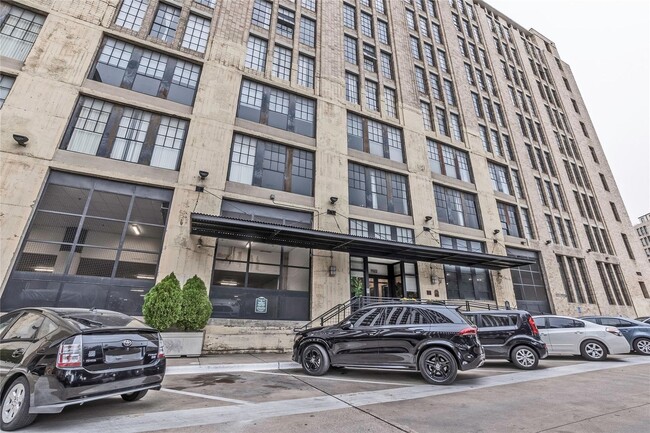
pixel 578 332
pixel 544 333
pixel 18 352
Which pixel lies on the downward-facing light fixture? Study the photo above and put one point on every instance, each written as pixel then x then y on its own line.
pixel 136 229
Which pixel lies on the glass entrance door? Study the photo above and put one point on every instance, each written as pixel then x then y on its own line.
pixel 380 287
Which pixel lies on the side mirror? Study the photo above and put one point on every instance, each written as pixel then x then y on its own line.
pixel 347 325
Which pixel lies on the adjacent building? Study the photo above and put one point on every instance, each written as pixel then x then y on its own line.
pixel 293 153
pixel 643 231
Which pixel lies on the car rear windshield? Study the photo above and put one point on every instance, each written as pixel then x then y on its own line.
pixel 91 319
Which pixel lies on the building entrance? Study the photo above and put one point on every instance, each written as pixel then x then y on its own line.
pixel 382 278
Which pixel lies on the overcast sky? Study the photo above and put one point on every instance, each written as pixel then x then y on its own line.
pixel 607 45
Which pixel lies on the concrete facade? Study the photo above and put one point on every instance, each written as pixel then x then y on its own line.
pixel 643 232
pixel 41 102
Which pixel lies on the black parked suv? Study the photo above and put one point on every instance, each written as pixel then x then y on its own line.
pixel 511 335
pixel 432 339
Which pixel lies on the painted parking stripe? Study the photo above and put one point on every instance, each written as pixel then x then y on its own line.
pixel 337 379
pixel 209 397
pixel 229 368
pixel 143 422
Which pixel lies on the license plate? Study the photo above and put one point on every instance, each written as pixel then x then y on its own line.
pixel 134 355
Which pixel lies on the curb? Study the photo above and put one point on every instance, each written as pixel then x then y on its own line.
pixel 227 368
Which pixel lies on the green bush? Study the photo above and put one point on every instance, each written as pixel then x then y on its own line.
pixel 196 307
pixel 162 304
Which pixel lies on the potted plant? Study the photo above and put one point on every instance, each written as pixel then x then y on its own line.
pixel 356 284
pixel 180 315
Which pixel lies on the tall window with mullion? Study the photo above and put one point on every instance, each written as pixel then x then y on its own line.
pixel 262 14
pixel 282 62
pixel 306 66
pixel 256 53
pixel 196 33
pixel 377 189
pixel 463 282
pixel 456 207
pixel 109 130
pixel 128 66
pixel 500 178
pixel 509 219
pixel 279 109
pixel 165 22
pixel 286 22
pixel 18 31
pixel 131 14
pixel 448 161
pixel 308 32
pixel 375 138
pixel 270 165
pixel 386 232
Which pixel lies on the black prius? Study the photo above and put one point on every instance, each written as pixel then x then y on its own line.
pixel 432 339
pixel 51 358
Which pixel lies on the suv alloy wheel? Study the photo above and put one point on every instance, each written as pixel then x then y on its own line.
pixel 524 357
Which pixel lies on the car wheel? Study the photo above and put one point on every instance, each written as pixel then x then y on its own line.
pixel 15 405
pixel 438 366
pixel 524 357
pixel 134 396
pixel 593 351
pixel 642 346
pixel 315 360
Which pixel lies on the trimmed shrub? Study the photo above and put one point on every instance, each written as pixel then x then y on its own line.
pixel 162 304
pixel 196 307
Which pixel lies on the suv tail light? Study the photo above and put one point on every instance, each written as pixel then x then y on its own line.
pixel 70 353
pixel 533 326
pixel 613 330
pixel 468 331
pixel 161 347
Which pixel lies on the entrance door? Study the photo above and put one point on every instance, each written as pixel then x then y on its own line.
pixel 380 286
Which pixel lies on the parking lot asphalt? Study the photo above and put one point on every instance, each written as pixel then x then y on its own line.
pixel 266 393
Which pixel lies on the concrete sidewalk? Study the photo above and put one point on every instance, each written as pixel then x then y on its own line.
pixel 230 362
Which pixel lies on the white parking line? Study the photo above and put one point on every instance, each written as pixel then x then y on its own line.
pixel 209 397
pixel 338 379
pixel 184 418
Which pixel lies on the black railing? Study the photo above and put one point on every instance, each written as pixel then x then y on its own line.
pixel 339 312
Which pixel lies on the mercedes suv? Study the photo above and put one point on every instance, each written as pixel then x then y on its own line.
pixel 432 339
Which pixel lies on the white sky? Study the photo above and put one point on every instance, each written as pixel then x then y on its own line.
pixel 607 45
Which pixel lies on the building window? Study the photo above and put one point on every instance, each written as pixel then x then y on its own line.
pixel 425 109
pixel 449 93
pixel 306 71
pixel 415 48
pixel 628 247
pixel 209 3
pixel 6 83
pixel 526 224
pixel 551 228
pixel 366 25
pixel 441 118
pixel 500 178
pixel 307 32
pixel 584 129
pixel 262 14
pixel 509 219
pixel 456 207
pixel 604 181
pixel 352 87
pixel 131 14
pixel 377 189
pixel 165 23
pixel 593 154
pixel 286 22
pixel 196 33
pixel 456 131
pixel 434 84
pixel 420 81
pixel 615 211
pixel 131 135
pixel 391 102
pixel 91 243
pixel 463 282
pixel 442 61
pixel 349 16
pixel 375 138
pixel 256 53
pixel 279 109
pixel 614 284
pixel 127 66
pixel 369 58
pixel 282 63
pixel 18 32
pixel 246 272
pixel 350 50
pixel 386 232
pixel 269 165
pixel 382 32
pixel 372 99
pixel 309 5
pixel 449 161
pixel 644 290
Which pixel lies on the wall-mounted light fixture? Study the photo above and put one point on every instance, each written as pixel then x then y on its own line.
pixel 428 218
pixel 203 174
pixel 548 242
pixel 272 197
pixel 589 250
pixel 332 271
pixel 248 244
pixel 21 139
pixel 333 199
pixel 496 231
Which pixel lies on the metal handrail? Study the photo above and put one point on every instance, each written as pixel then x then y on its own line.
pixel 341 311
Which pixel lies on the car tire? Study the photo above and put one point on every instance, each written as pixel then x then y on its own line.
pixel 642 346
pixel 315 360
pixel 524 357
pixel 15 405
pixel 438 366
pixel 134 396
pixel 593 350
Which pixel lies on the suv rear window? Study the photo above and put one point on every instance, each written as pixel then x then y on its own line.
pixel 494 320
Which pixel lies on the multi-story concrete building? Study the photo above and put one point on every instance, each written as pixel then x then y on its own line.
pixel 294 153
pixel 643 231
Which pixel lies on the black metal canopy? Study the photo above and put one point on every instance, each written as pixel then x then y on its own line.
pixel 255 231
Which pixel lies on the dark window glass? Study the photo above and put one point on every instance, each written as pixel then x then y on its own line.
pixel 456 207
pixel 377 189
pixel 375 138
pixel 25 328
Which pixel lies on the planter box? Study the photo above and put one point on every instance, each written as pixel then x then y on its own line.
pixel 179 344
